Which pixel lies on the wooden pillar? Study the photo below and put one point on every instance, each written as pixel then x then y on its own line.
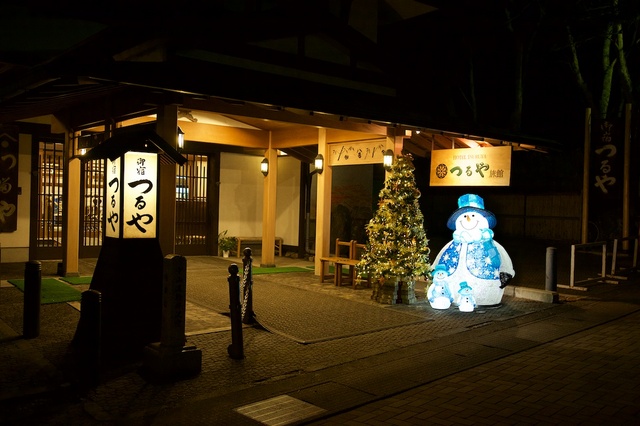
pixel 269 209
pixel 167 128
pixel 395 142
pixel 585 175
pixel 323 206
pixel 626 173
pixel 71 217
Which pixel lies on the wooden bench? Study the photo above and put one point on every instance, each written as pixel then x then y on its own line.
pixel 279 242
pixel 349 257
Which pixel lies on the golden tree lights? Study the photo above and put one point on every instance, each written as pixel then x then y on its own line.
pixel 397 243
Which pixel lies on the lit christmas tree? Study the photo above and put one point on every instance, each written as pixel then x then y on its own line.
pixel 397 251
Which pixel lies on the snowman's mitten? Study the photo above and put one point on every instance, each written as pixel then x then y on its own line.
pixel 504 279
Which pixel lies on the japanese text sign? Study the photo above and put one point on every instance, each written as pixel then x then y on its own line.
pixel 140 194
pixel 606 159
pixel 132 196
pixel 489 166
pixel 8 178
pixel 113 213
pixel 362 152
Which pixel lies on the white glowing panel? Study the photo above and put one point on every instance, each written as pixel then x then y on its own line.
pixel 471 167
pixel 114 189
pixel 140 195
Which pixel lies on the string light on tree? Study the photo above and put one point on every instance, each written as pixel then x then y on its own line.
pixel 397 245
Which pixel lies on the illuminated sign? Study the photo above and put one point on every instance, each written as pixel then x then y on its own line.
pixel 140 194
pixel 471 167
pixel 132 196
pixel 113 198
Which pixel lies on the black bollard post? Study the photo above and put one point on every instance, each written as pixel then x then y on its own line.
pixel 32 297
pixel 235 349
pixel 551 273
pixel 247 289
pixel 91 311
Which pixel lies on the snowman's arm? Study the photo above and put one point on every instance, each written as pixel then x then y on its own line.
pixel 505 261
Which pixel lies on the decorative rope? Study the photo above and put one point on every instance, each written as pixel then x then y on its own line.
pixel 244 289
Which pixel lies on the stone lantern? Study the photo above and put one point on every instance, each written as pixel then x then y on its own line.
pixel 128 273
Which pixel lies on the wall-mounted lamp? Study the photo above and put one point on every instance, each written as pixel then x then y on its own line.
pixel 264 166
pixel 387 159
pixel 319 163
pixel 180 138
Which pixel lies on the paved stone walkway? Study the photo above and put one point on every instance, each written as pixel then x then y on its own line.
pixel 588 378
pixel 524 362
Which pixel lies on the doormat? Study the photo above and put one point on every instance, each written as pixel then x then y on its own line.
pixel 52 291
pixel 278 270
pixel 77 280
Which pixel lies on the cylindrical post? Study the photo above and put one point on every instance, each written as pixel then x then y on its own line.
pixel 235 349
pixel 32 296
pixel 551 275
pixel 247 294
pixel 91 311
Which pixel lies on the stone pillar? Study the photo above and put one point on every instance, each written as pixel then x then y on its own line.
pixel 170 359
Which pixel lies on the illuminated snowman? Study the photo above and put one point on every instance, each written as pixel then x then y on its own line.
pixel 473 256
pixel 466 301
pixel 438 293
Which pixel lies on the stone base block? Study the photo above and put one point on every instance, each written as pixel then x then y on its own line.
pixel 545 296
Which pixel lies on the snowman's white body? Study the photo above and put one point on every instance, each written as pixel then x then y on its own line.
pixel 438 293
pixel 466 301
pixel 473 245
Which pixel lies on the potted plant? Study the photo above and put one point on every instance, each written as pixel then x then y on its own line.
pixel 226 243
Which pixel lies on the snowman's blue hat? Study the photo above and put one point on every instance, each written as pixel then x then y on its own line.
pixel 464 288
pixel 439 267
pixel 468 203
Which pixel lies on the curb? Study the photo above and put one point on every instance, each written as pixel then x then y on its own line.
pixel 545 296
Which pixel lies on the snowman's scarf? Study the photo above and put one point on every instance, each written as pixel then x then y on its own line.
pixel 483 258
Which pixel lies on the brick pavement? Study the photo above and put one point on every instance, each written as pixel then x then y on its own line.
pixel 589 378
pixel 335 375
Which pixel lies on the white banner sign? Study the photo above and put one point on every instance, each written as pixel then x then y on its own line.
pixel 471 167
pixel 113 198
pixel 140 195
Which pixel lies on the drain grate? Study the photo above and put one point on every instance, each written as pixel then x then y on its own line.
pixel 280 410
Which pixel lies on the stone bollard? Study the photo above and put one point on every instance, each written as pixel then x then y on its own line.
pixel 247 288
pixel 551 271
pixel 235 349
pixel 170 359
pixel 32 298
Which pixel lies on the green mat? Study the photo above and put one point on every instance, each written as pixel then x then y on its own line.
pixel 278 270
pixel 77 280
pixel 53 291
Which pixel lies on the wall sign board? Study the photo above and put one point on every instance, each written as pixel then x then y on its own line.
pixel 361 152
pixel 471 167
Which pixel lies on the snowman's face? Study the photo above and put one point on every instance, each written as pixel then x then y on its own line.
pixel 471 220
pixel 440 275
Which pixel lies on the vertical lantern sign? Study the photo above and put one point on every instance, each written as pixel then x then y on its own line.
pixel 140 195
pixel 114 183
